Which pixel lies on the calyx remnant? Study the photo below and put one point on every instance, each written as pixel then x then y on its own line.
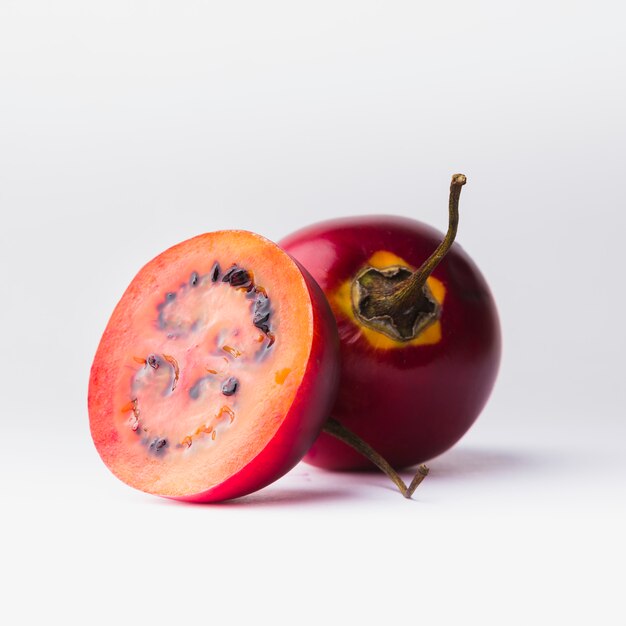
pixel 375 306
pixel 397 302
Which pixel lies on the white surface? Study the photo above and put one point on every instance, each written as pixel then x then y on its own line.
pixel 126 127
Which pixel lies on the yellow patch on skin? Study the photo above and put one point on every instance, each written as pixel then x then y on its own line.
pixel 342 301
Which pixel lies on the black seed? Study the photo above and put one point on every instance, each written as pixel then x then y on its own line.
pixel 239 278
pixel 229 386
pixel 170 296
pixel 153 361
pixel 158 444
pixel 215 272
pixel 262 311
pixel 229 273
pixel 194 279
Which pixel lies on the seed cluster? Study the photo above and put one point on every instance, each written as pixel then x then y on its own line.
pixel 170 321
pixel 235 276
pixel 137 425
pixel 261 311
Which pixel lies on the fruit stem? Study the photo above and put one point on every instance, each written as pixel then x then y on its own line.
pixel 339 431
pixel 401 307
pixel 412 287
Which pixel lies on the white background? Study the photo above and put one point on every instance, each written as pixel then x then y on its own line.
pixel 126 127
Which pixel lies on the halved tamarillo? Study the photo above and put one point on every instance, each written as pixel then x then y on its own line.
pixel 216 371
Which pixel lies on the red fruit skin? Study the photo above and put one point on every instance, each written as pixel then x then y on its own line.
pixel 413 402
pixel 305 419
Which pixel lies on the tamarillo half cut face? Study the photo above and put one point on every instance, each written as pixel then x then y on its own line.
pixel 216 371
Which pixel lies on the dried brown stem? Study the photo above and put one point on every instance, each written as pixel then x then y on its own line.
pixel 339 431
pixel 397 302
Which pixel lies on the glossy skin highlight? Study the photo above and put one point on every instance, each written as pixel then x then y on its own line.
pixel 413 400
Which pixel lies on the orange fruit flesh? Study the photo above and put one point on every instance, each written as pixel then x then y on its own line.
pixel 185 388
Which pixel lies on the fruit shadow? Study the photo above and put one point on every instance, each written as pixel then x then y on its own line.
pixel 310 486
pixel 268 497
pixel 463 464
pixel 278 496
pixel 300 490
pixel 471 463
